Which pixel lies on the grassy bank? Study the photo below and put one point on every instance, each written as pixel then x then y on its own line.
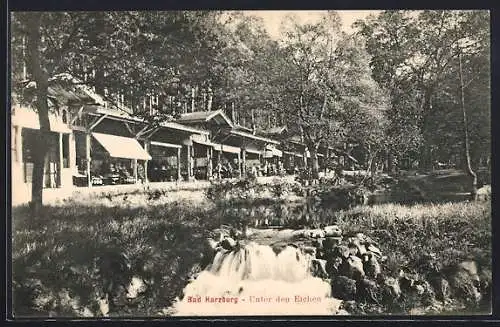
pixel 425 240
pixel 66 261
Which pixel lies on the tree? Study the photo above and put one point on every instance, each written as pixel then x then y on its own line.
pixel 413 53
pixel 327 83
pixel 124 55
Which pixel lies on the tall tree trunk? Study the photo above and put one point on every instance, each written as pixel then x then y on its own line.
pixel 40 76
pixel 315 162
pixel 468 168
pixel 425 161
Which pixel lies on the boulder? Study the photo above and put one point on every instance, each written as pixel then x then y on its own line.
pixel 135 287
pixel 333 266
pixel 344 288
pixel 368 290
pixel 315 233
pixel 341 251
pixel 228 243
pixel 484 193
pixel 332 230
pixel 352 267
pixel 356 248
pixel 373 249
pixel 318 268
pixel 371 266
pixel 391 290
pixel 329 242
pixel 311 250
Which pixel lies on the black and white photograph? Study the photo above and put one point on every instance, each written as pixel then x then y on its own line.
pixel 227 163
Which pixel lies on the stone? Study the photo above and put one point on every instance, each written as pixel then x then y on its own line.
pixel 353 268
pixel 373 249
pixel 316 233
pixel 311 250
pixel 330 242
pixel 135 287
pixel 341 251
pixel 333 266
pixel 318 268
pixel 332 230
pixel 368 290
pixel 371 266
pixel 344 288
pixel 228 243
pixel 391 289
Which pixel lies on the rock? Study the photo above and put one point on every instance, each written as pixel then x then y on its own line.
pixel 368 290
pixel 484 193
pixel 318 243
pixel 391 289
pixel 344 288
pixel 318 268
pixel 311 250
pixel 352 267
pixel 470 267
pixel 373 249
pixel 315 233
pixel 135 287
pixel 371 266
pixel 104 306
pixel 441 288
pixel 330 242
pixel 333 266
pixel 332 230
pixel 228 243
pixel 356 248
pixel 341 251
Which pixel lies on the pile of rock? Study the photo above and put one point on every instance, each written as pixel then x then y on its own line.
pixel 352 264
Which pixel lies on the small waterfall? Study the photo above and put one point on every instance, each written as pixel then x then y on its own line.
pixel 254 280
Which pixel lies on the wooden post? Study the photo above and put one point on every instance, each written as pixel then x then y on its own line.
pixel 188 162
pixel 239 164
pixel 178 164
pixel 243 159
pixel 135 171
pixel 72 152
pixel 209 163
pixel 88 158
pixel 60 168
pixel 146 147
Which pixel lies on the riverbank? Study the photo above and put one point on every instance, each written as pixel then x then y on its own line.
pixel 143 255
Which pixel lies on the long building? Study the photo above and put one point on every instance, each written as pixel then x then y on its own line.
pixel 94 143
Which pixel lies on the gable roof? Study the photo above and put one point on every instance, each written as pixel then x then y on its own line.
pixel 205 116
pixel 274 130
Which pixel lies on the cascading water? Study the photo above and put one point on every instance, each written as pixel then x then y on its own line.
pixel 254 280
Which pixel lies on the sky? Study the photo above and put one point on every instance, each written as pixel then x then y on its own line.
pixel 273 18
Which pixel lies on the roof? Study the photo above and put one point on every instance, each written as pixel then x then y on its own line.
pixel 204 116
pixel 253 137
pixel 112 113
pixel 274 131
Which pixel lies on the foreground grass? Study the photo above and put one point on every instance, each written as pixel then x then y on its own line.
pixel 66 261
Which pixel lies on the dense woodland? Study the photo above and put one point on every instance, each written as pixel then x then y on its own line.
pixel 411 88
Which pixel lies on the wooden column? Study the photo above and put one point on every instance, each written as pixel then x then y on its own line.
pixel 178 164
pixel 243 162
pixel 135 171
pixel 239 164
pixel 72 152
pixel 188 163
pixel 209 163
pixel 88 158
pixel 146 147
pixel 60 168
